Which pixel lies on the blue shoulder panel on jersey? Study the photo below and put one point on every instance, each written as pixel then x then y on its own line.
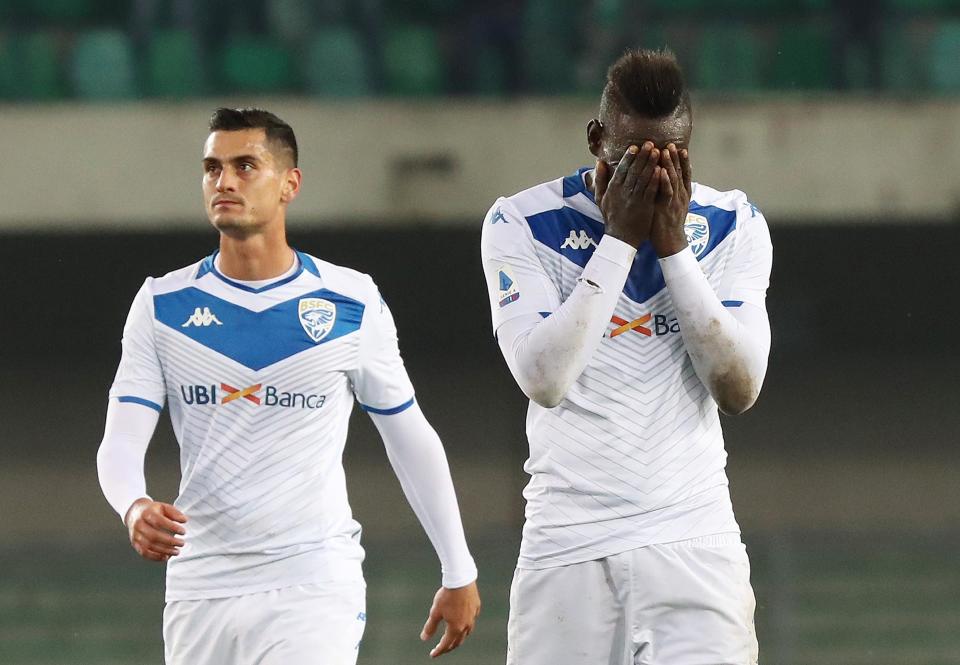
pixel 205 266
pixel 574 236
pixel 731 303
pixel 139 400
pixel 573 184
pixel 254 339
pixel 308 264
pixel 389 412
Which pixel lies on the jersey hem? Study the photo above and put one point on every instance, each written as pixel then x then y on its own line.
pixel 347 572
pixel 702 540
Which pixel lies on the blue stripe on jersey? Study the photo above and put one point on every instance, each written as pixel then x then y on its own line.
pixel 253 339
pixel 139 400
pixel 731 303
pixel 554 227
pixel 388 412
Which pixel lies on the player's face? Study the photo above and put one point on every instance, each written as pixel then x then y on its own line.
pixel 245 185
pixel 610 139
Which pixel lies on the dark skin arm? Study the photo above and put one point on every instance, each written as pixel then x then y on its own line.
pixel 627 197
pixel 673 201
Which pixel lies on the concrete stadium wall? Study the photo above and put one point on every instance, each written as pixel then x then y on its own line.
pixel 391 163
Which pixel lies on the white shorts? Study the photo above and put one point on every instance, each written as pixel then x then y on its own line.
pixel 686 603
pixel 311 624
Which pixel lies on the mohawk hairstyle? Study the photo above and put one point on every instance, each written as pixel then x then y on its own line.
pixel 648 83
pixel 278 132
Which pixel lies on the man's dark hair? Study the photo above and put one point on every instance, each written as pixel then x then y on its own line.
pixel 278 132
pixel 648 83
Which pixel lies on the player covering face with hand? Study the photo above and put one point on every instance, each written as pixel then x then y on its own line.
pixel 629 304
pixel 259 352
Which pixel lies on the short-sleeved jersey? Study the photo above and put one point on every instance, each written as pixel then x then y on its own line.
pixel 260 383
pixel 634 453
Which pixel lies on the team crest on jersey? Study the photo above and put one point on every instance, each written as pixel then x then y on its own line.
pixel 697 230
pixel 509 291
pixel 317 317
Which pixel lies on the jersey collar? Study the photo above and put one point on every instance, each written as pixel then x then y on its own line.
pixel 304 262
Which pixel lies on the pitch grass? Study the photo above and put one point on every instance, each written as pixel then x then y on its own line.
pixel 822 598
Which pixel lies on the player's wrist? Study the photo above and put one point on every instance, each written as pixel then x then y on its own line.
pixel 136 508
pixel 669 243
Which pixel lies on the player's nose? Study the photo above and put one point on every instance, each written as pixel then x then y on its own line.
pixel 226 181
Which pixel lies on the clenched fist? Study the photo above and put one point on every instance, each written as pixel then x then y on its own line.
pixel 153 527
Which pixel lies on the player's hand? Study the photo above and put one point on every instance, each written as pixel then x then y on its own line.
pixel 153 528
pixel 459 608
pixel 673 202
pixel 627 196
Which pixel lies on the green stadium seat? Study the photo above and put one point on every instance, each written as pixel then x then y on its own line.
pixel 609 13
pixel 802 59
pixel 671 6
pixel 174 67
pixel 291 20
pixel 728 59
pixel 256 65
pixel 102 65
pixel 490 73
pixel 412 61
pixel 550 33
pixel 63 11
pixel 336 64
pixel 923 5
pixel 902 70
pixel 944 57
pixel 7 71
pixel 37 66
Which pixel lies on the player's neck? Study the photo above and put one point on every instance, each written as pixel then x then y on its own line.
pixel 255 257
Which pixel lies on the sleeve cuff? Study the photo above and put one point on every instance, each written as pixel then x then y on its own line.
pixel 460 578
pixel 609 264
pixel 677 265
pixel 616 251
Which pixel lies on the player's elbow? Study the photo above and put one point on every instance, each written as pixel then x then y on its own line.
pixel 735 405
pixel 547 394
pixel 542 379
pixel 547 397
pixel 735 391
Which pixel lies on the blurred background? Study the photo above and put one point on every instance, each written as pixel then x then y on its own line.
pixel 840 119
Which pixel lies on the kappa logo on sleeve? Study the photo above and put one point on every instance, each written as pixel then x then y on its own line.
pixel 498 217
pixel 509 290
pixel 697 230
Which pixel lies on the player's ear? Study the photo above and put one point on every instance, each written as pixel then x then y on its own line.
pixel 594 136
pixel 291 185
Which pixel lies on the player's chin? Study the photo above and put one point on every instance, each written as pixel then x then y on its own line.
pixel 230 223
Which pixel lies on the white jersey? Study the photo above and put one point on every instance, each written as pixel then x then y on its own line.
pixel 260 383
pixel 634 453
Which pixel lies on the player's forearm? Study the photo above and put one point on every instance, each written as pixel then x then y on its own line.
pixel 546 356
pixel 729 352
pixel 126 436
pixel 418 459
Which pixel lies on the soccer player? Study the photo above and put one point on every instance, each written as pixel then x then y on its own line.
pixel 259 351
pixel 628 302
